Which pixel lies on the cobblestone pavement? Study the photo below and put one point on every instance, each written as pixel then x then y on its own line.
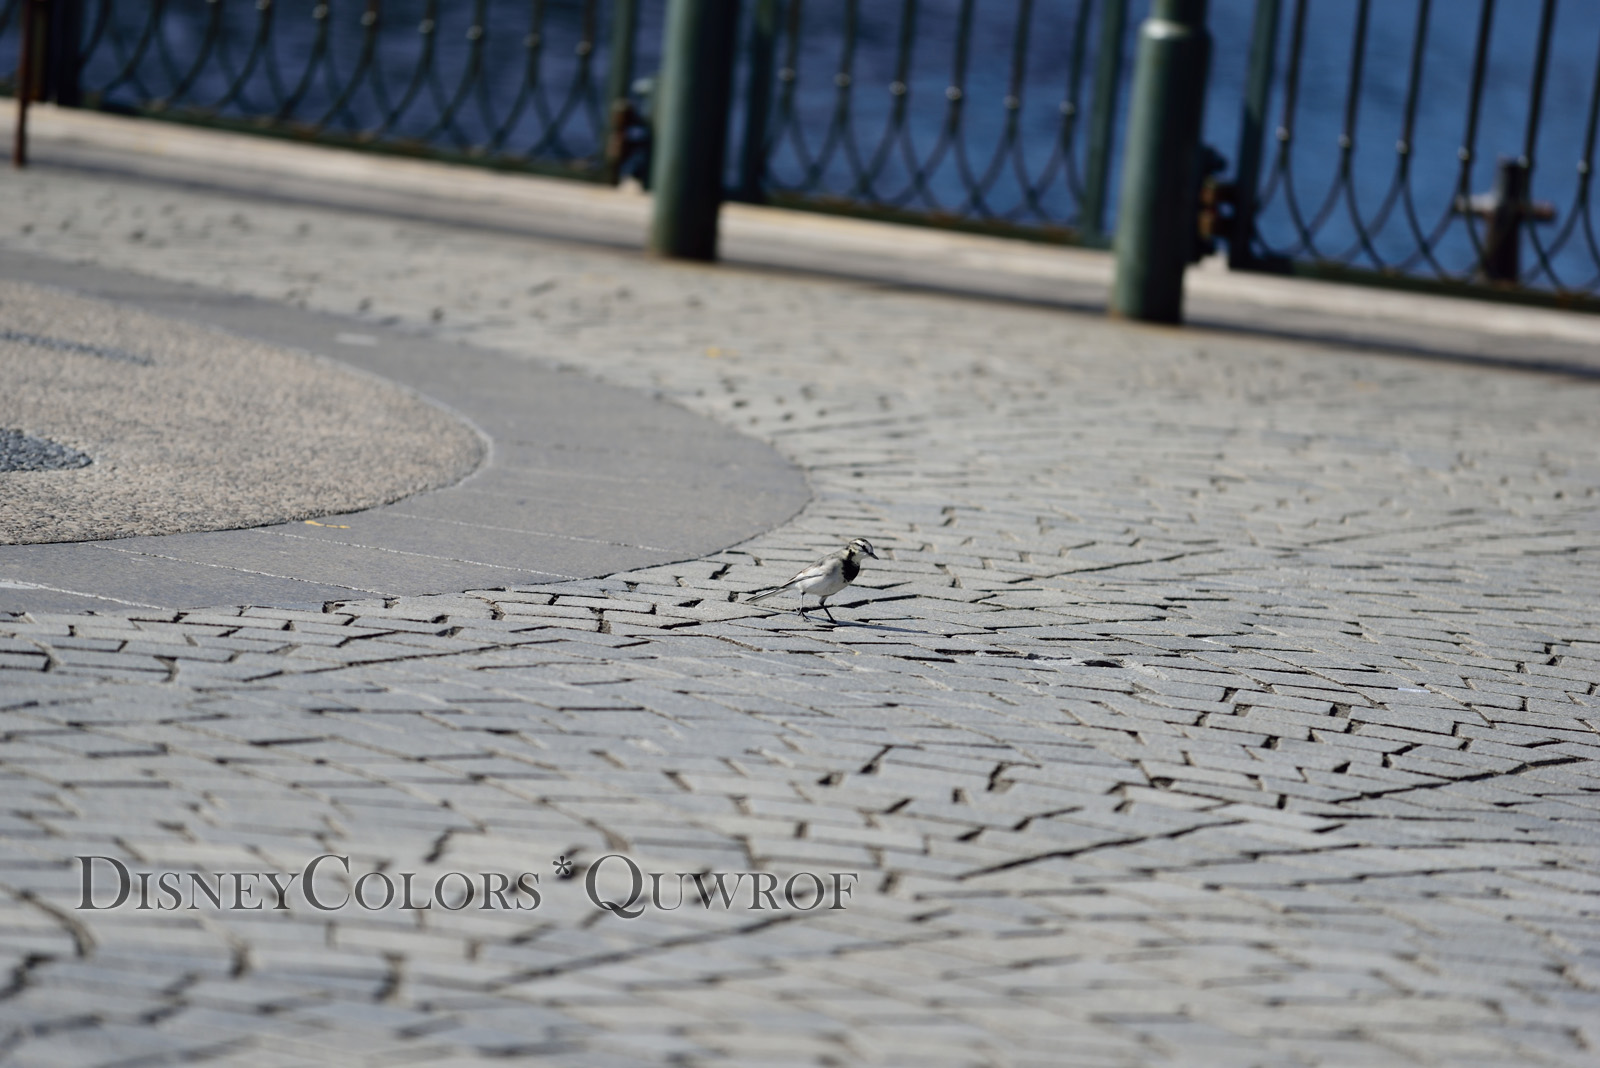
pixel 1217 701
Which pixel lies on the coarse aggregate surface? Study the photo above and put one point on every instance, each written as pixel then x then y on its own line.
pixel 190 429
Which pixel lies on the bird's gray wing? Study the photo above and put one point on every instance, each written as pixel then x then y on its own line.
pixel 816 570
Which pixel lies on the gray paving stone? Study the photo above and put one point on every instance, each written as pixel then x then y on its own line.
pixel 1159 735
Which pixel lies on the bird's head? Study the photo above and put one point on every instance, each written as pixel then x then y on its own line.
pixel 862 547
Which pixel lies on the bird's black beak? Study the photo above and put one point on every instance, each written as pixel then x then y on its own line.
pixel 871 553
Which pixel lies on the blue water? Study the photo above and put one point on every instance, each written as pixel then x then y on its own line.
pixel 558 113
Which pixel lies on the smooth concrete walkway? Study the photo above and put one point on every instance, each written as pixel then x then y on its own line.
pixel 1220 698
pixel 574 479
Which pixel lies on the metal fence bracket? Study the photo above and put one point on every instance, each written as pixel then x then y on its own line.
pixel 1505 208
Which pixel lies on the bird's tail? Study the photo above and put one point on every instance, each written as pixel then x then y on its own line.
pixel 761 595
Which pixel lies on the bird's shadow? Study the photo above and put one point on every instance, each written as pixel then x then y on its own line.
pixel 870 626
pixel 823 621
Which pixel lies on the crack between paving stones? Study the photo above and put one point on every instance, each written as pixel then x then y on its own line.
pixel 1390 533
pixel 15 584
pixel 1067 854
pixel 228 567
pixel 1112 567
pixel 638 953
pixel 82 938
pixel 1373 795
pixel 425 556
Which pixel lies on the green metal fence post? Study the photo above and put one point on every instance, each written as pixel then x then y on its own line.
pixel 1156 216
pixel 691 127
pixel 1253 132
pixel 619 80
pixel 63 38
pixel 1103 116
pixel 758 100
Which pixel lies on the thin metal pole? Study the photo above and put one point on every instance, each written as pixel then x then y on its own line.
pixel 624 33
pixel 1156 218
pixel 619 81
pixel 1253 131
pixel 1469 140
pixel 25 86
pixel 63 38
pixel 691 127
pixel 1480 66
pixel 758 100
pixel 1103 116
pixel 1541 67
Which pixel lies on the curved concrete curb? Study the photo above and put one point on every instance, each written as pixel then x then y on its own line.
pixel 582 479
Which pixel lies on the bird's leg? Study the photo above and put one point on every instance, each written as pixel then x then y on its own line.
pixel 802 606
pixel 823 604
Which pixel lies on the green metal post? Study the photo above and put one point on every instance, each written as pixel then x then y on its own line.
pixel 1156 217
pixel 64 36
pixel 1103 115
pixel 619 79
pixel 758 100
pixel 691 127
pixel 624 32
pixel 1253 131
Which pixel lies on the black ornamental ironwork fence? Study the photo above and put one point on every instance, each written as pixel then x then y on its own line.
pixel 1414 143
pixel 518 84
pixel 1434 145
pixel 1001 115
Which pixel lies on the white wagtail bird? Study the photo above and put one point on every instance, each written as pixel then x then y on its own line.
pixel 824 578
